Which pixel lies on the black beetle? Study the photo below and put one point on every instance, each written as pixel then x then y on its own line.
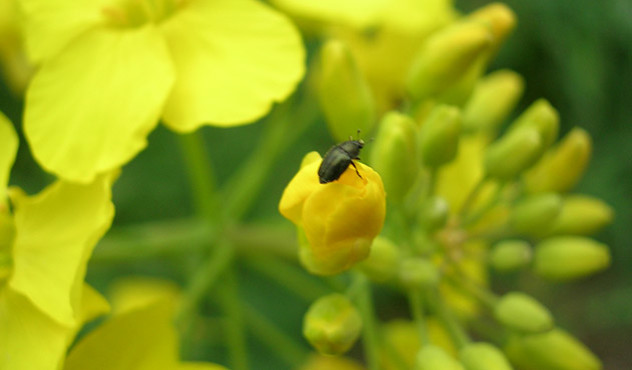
pixel 338 158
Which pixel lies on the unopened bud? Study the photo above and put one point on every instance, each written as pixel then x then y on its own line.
pixel 513 153
pixel 501 20
pixel 439 136
pixel 383 261
pixel 582 215
pixel 483 356
pixel 535 214
pixel 561 168
pixel 393 154
pixel 433 213
pixel 509 255
pixel 552 350
pixel 446 56
pixel 417 273
pixel 493 99
pixel 521 312
pixel 433 358
pixel 568 257
pixel 542 116
pixel 332 324
pixel 343 93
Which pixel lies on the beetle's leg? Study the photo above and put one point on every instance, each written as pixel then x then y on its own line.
pixel 356 168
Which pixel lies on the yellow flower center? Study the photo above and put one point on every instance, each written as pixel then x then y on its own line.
pixel 135 13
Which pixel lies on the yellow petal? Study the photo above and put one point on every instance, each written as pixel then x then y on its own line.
pixel 234 58
pixel 52 24
pixel 8 149
pixel 55 234
pixel 93 304
pixel 89 109
pixel 28 338
pixel 300 187
pixel 199 366
pixel 141 339
pixel 133 292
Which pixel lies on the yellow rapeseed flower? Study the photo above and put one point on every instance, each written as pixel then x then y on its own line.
pixel 45 244
pixel 111 69
pixel 339 219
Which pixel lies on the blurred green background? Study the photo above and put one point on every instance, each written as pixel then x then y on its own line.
pixel 577 54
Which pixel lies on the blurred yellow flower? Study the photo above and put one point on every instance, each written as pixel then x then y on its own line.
pixel 339 219
pixel 136 339
pixel 45 244
pixel 111 69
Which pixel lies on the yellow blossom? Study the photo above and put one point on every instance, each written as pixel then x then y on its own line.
pixel 45 247
pixel 111 69
pixel 339 219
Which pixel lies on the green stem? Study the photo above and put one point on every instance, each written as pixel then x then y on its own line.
pixel 432 182
pixel 463 283
pixel 289 276
pixel 235 328
pixel 275 339
pixel 416 308
pixel 203 279
pixel 451 324
pixel 471 197
pixel 370 337
pixel 201 175
pixel 282 129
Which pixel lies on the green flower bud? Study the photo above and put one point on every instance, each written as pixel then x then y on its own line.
pixel 433 213
pixel 440 136
pixel 446 56
pixel 501 19
pixel 483 356
pixel 383 261
pixel 393 154
pixel 562 166
pixel 521 312
pixel 343 93
pixel 332 324
pixel 509 255
pixel 433 358
pixel 543 117
pixel 582 215
pixel 417 273
pixel 423 243
pixel 513 153
pixel 535 214
pixel 552 350
pixel 493 99
pixel 568 257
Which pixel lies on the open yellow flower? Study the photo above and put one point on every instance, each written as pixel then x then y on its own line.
pixel 111 69
pixel 45 244
pixel 339 220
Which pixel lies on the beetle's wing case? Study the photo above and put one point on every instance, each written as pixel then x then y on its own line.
pixel 334 163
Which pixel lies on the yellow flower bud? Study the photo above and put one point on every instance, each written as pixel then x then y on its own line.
pixel 417 273
pixel 446 56
pixel 500 18
pixel 513 153
pixel 383 261
pixel 543 117
pixel 440 136
pixel 332 324
pixel 521 312
pixel 510 255
pixel 433 213
pixel 340 219
pixel 562 166
pixel 553 350
pixel 483 356
pixel 568 257
pixel 535 214
pixel 394 155
pixel 343 93
pixel 432 358
pixel 582 215
pixel 492 100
